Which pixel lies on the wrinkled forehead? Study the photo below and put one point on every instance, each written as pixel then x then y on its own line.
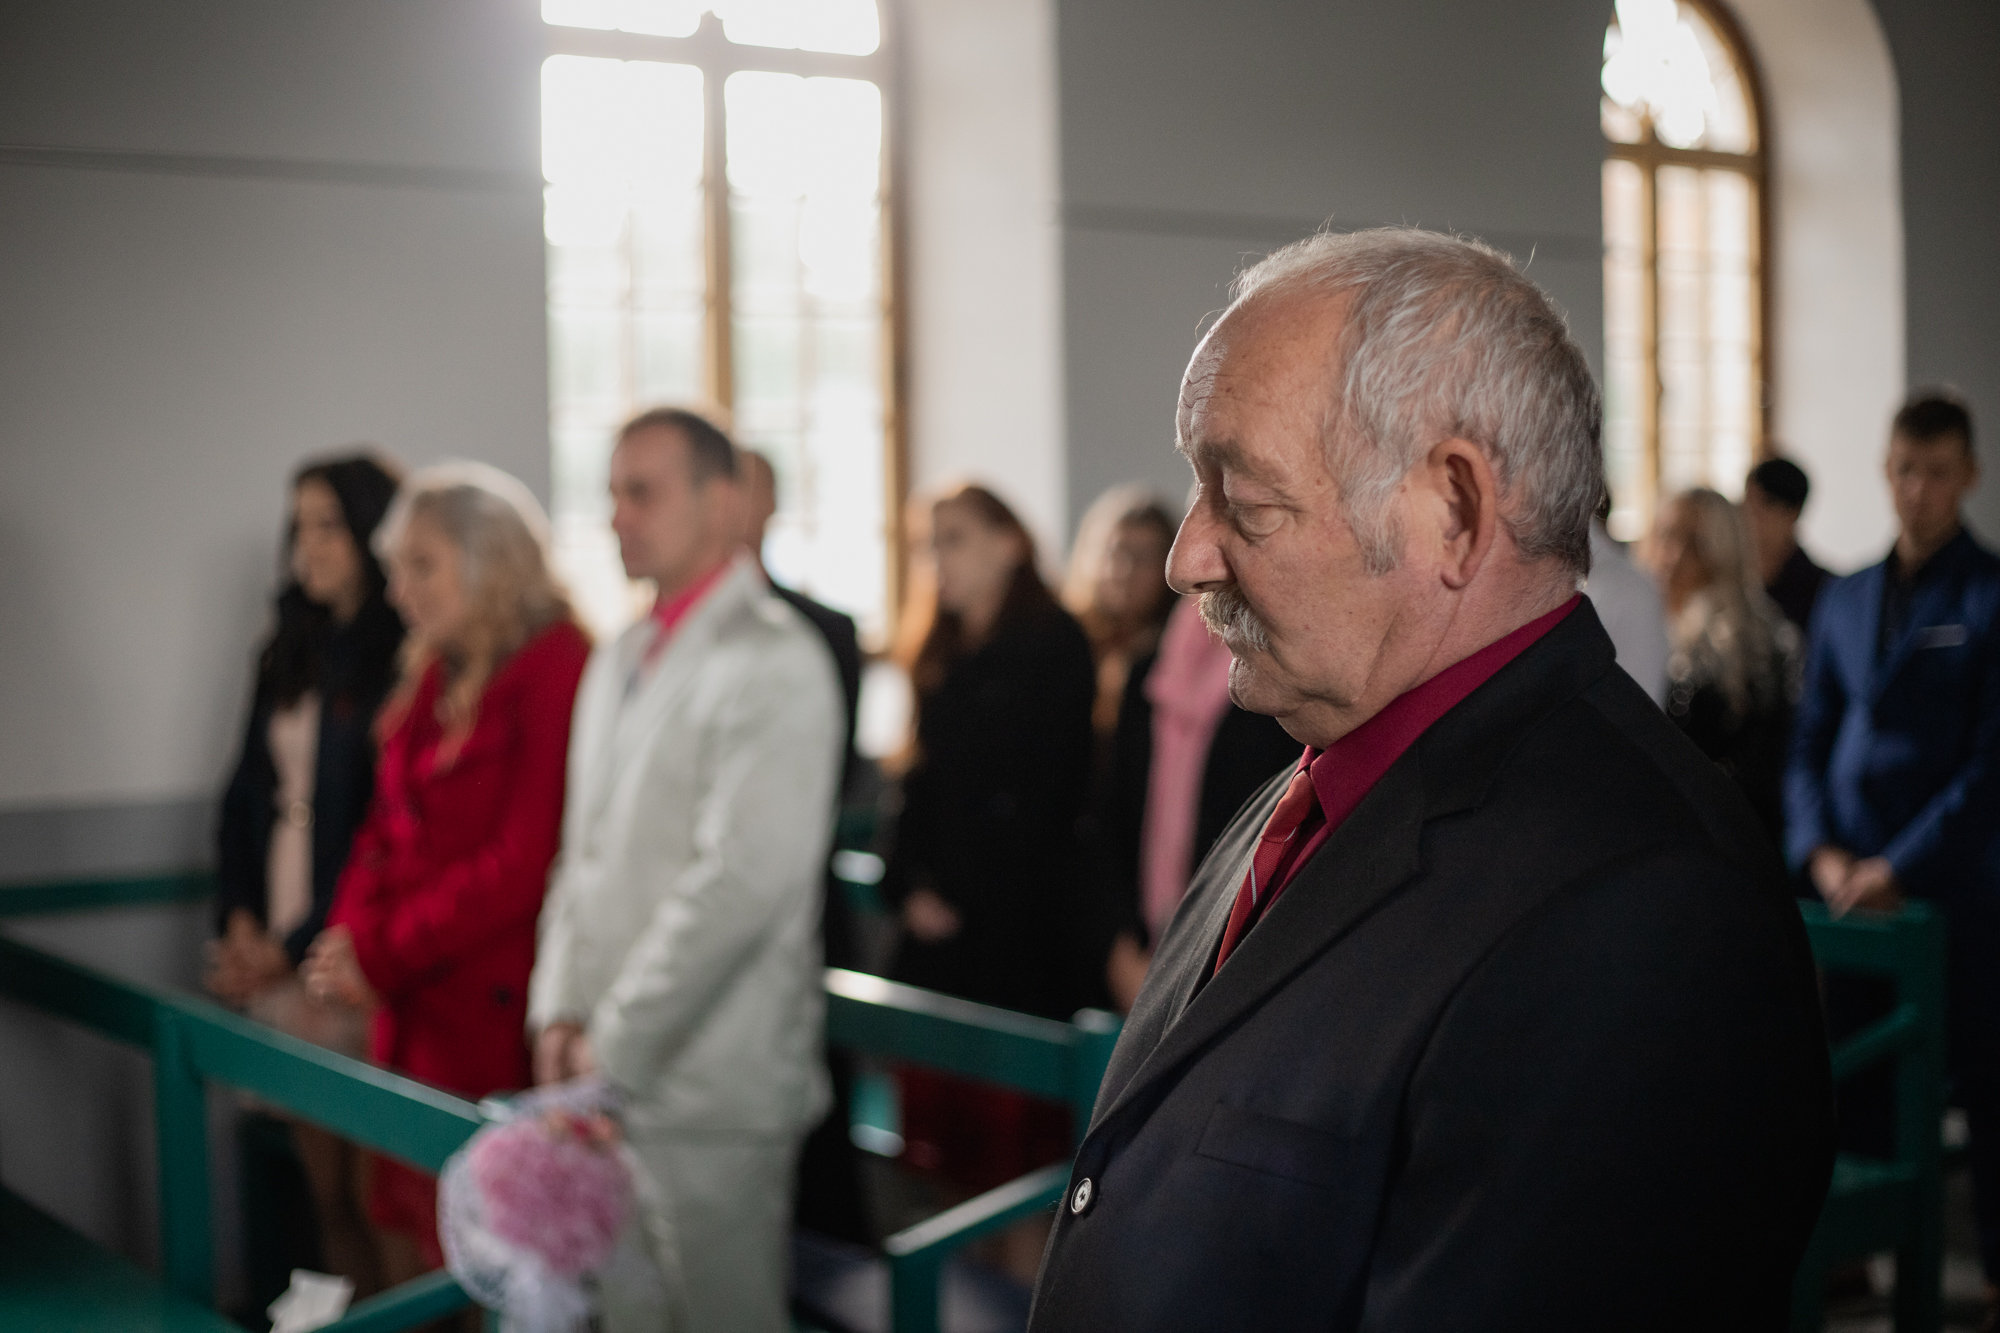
pixel 1260 385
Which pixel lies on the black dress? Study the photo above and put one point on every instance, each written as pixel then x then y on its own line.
pixel 990 819
pixel 1745 731
pixel 357 667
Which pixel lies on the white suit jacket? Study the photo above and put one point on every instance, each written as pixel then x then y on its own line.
pixel 682 919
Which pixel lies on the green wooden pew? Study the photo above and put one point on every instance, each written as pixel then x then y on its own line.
pixel 194 1043
pixel 1876 1205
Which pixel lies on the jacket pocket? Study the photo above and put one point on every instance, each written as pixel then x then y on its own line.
pixel 1275 1147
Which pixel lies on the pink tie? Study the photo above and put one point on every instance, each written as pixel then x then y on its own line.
pixel 1290 828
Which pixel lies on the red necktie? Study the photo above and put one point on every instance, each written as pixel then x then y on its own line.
pixel 1290 828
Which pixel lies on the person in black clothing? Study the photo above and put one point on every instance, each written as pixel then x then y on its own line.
pixel 1116 587
pixel 829 1198
pixel 1155 824
pixel 1732 660
pixel 760 486
pixel 986 842
pixel 1774 496
pixel 301 787
pixel 985 865
pixel 336 641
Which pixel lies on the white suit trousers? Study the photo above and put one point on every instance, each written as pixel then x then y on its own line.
pixel 729 1208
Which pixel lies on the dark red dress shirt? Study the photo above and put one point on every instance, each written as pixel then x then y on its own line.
pixel 1347 770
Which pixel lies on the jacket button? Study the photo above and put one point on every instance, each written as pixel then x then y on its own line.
pixel 1079 1199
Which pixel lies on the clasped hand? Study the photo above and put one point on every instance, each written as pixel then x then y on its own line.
pixel 332 971
pixel 1847 882
pixel 244 960
pixel 562 1051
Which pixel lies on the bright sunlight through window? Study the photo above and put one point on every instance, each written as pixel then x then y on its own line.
pixel 714 218
pixel 1683 258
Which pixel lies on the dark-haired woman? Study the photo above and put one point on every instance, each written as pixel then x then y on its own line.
pixel 300 790
pixel 985 865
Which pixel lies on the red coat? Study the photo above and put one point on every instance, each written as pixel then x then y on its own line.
pixel 445 882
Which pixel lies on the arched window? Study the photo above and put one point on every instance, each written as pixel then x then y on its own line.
pixel 1685 330
pixel 716 232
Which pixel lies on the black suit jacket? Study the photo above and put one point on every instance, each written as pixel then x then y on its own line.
pixel 1531 1043
pixel 837 628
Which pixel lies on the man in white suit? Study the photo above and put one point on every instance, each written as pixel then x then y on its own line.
pixel 679 953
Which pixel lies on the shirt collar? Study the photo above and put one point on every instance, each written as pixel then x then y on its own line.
pixel 1354 763
pixel 669 612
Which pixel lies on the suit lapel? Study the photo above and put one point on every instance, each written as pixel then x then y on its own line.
pixel 1186 949
pixel 1361 864
pixel 636 716
pixel 1365 861
pixel 1931 605
pixel 595 731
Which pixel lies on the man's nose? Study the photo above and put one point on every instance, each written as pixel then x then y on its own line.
pixel 1195 563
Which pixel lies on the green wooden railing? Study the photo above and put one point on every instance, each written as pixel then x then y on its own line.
pixel 1896 1204
pixel 1060 1061
pixel 194 1043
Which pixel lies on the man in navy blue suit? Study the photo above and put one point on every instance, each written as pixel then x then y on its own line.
pixel 1893 788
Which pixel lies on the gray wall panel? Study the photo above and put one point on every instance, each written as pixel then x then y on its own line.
pixel 1197 137
pixel 1948 53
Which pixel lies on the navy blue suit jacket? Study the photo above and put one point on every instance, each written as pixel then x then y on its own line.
pixel 1898 754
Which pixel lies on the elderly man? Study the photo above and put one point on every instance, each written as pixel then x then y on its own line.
pixel 679 951
pixel 1495 1011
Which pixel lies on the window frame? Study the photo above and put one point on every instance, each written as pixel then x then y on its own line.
pixel 1649 155
pixel 710 51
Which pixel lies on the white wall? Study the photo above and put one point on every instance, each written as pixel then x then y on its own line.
pixel 1837 245
pixel 76 1108
pixel 1947 52
pixel 233 233
pixel 984 283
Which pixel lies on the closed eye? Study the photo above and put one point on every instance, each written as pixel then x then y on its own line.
pixel 1256 521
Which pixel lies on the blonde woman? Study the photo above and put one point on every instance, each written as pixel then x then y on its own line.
pixel 1731 654
pixel 433 923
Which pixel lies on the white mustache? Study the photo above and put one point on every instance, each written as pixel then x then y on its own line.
pixel 1228 616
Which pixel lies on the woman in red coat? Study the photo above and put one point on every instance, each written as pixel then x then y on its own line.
pixel 433 922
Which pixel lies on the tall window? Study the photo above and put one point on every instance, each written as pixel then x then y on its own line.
pixel 715 224
pixel 1684 307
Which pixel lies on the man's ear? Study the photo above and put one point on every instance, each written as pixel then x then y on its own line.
pixel 1469 493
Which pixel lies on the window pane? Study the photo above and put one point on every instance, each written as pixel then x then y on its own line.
pixel 1628 336
pixel 1731 127
pixel 622 152
pixel 1667 62
pixel 848 27
pixel 808 325
pixel 1709 353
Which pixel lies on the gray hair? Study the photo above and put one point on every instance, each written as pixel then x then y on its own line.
pixel 1444 338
